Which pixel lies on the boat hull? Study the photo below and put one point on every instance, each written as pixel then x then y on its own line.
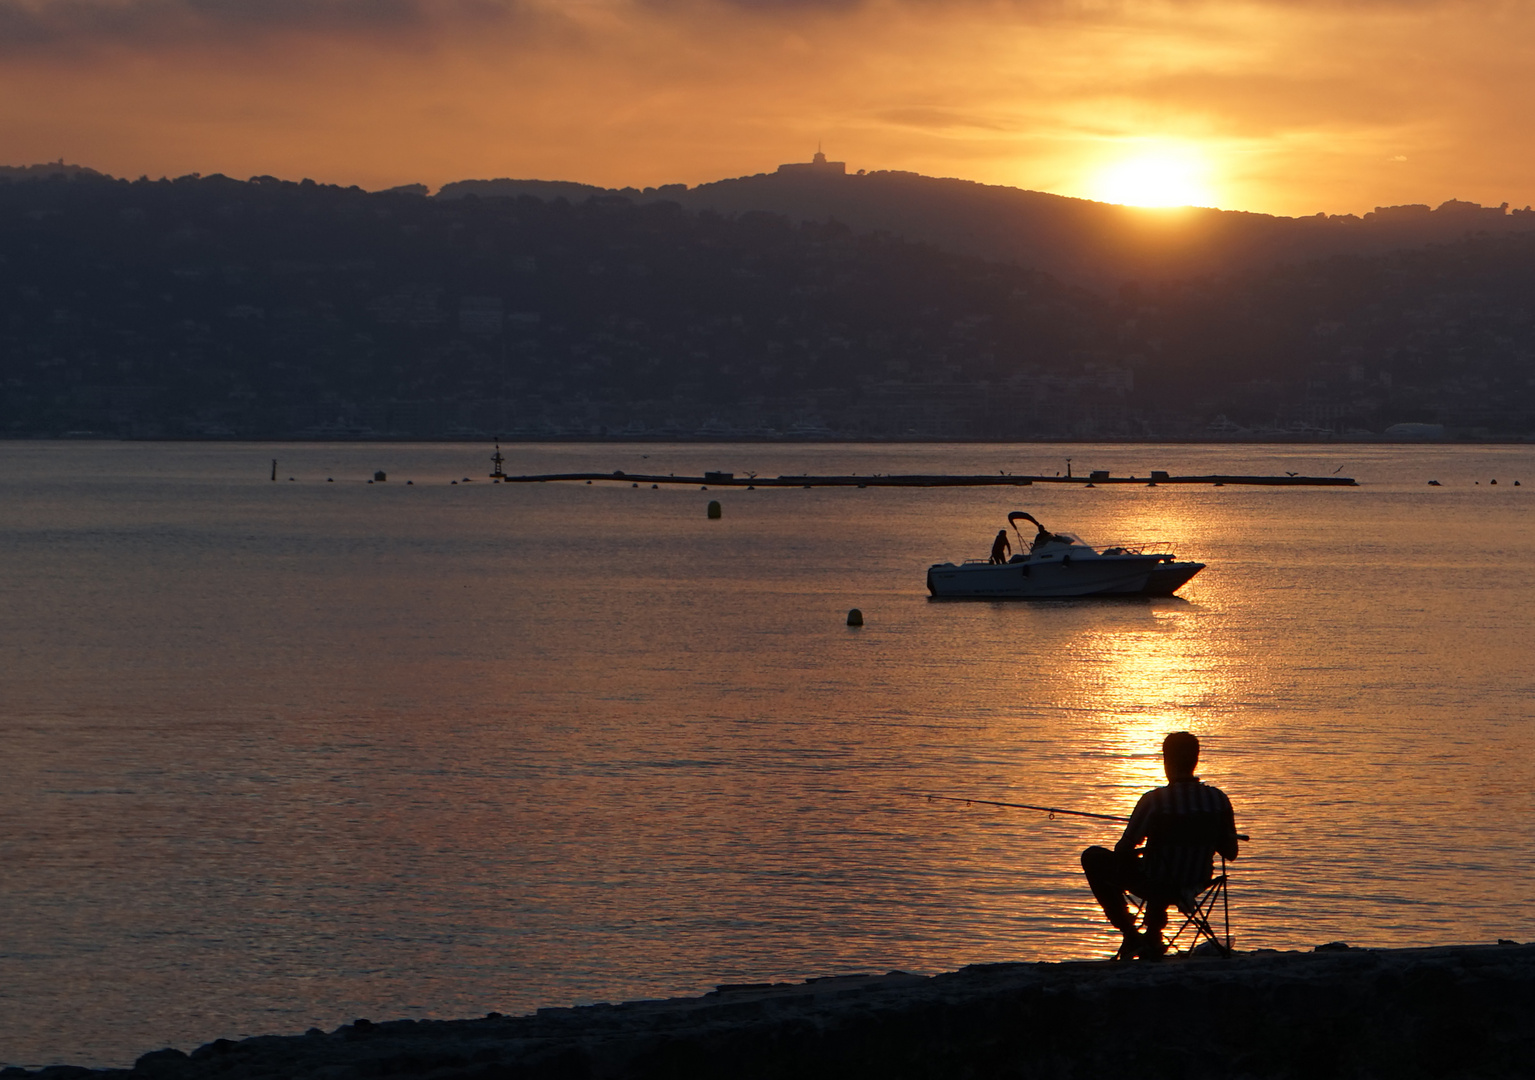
pixel 1094 576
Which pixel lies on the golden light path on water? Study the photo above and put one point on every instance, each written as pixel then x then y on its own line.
pixel 282 755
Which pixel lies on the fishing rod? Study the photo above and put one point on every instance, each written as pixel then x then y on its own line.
pixel 1051 810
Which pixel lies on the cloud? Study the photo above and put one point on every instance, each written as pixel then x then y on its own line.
pixel 42 25
pixel 67 25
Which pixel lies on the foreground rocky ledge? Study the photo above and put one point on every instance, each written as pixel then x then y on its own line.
pixel 1337 1012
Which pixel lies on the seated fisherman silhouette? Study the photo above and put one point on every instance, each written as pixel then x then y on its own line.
pixel 1183 825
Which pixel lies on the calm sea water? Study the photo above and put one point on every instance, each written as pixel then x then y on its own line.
pixel 286 754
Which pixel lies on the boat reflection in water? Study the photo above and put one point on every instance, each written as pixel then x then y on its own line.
pixel 1059 565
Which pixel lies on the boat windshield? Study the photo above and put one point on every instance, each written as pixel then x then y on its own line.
pixel 1045 539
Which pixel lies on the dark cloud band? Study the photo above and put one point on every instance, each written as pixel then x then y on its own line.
pixel 62 25
pixel 53 24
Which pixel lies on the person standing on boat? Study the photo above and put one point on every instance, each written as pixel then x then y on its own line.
pixel 1183 825
pixel 999 546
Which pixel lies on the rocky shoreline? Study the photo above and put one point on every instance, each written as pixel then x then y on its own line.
pixel 1457 1011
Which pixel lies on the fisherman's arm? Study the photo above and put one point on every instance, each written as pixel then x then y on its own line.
pixel 1228 846
pixel 1135 831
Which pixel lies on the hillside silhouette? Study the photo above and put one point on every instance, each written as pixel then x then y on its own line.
pixel 1093 243
pixel 213 307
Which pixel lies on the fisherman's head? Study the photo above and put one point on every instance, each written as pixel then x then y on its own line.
pixel 1180 755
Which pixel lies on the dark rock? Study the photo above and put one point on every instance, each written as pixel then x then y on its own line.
pixel 161 1062
pixel 1404 1014
pixel 217 1048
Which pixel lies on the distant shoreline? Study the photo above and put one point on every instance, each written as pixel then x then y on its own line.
pixel 1402 1013
pixel 577 440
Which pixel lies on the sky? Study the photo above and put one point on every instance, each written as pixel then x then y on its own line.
pixel 1279 106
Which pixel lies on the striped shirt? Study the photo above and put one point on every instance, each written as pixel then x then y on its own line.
pixel 1184 824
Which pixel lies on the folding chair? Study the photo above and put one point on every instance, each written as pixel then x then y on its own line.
pixel 1197 906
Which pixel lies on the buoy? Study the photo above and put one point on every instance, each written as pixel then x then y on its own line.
pixel 330 479
pixel 290 480
pixel 1435 483
pixel 1490 481
pixel 453 482
pixel 274 468
pixel 380 476
pixel 408 483
pixel 634 485
pixel 1516 483
pixel 588 483
pixel 714 509
pixel 854 617
pixel 753 487
pixel 653 487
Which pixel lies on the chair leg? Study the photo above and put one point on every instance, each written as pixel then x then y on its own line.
pixel 1199 914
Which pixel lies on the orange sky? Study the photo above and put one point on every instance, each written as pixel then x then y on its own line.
pixel 1286 106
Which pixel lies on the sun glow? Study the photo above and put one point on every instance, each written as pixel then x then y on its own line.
pixel 1158 178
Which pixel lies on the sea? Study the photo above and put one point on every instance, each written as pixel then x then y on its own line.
pixel 280 754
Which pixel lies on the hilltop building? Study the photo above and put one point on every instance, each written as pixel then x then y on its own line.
pixel 816 166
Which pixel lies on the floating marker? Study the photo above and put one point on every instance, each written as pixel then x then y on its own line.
pixel 714 510
pixel 380 476
pixel 855 617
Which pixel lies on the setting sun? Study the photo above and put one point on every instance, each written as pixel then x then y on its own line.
pixel 1162 178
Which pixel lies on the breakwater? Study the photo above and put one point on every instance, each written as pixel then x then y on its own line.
pixel 723 479
pixel 1335 1012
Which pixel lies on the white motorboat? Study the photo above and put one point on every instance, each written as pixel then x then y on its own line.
pixel 1056 565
